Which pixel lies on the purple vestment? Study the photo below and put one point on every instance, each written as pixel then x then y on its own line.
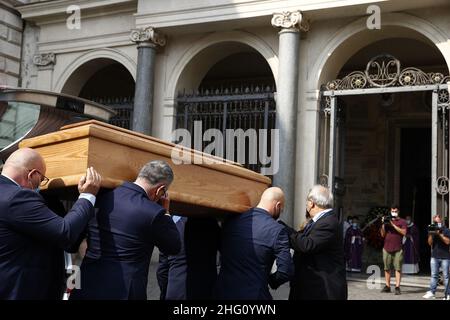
pixel 354 249
pixel 411 250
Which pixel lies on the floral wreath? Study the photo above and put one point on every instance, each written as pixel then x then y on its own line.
pixel 372 227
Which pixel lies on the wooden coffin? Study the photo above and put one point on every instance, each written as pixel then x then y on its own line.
pixel 207 185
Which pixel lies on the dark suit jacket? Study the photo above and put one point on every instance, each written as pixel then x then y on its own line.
pixel 202 238
pixel 251 242
pixel 30 235
pixel 192 273
pixel 172 270
pixel 121 239
pixel 319 261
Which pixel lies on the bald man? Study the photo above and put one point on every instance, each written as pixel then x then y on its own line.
pixel 251 242
pixel 30 232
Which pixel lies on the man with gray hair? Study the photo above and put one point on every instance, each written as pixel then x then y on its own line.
pixel 131 220
pixel 319 252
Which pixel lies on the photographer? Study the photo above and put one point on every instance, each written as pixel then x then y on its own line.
pixel 439 241
pixel 393 230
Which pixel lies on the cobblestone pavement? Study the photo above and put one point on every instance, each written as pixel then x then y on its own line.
pixel 359 291
pixel 357 288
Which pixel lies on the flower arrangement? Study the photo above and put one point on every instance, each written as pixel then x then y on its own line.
pixel 372 227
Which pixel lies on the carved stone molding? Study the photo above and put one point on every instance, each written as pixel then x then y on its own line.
pixel 148 35
pixel 290 20
pixel 385 71
pixel 44 59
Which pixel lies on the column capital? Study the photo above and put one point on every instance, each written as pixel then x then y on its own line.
pixel 290 20
pixel 148 35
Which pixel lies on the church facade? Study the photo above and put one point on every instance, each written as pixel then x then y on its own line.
pixel 356 89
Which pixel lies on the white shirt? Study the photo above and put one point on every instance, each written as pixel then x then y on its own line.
pixel 10 179
pixel 320 214
pixel 88 196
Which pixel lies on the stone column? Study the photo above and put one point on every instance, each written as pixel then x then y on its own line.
pixel 286 103
pixel 147 41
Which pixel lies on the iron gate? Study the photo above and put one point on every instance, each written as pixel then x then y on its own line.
pixel 235 107
pixel 122 105
pixel 384 74
pixel 440 137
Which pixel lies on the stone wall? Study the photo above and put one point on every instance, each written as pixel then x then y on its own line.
pixel 11 27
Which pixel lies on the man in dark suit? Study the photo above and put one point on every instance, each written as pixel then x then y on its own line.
pixel 202 238
pixel 319 252
pixel 121 237
pixel 192 273
pixel 251 242
pixel 172 270
pixel 30 233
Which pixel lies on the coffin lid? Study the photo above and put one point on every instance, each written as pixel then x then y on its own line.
pixel 240 187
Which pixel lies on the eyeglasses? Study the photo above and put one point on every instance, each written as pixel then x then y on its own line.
pixel 44 179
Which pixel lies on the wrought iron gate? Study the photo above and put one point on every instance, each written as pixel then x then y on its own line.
pixel 440 149
pixel 122 105
pixel 384 74
pixel 235 107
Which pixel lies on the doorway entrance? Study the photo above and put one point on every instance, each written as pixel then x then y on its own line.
pixel 415 183
pixel 384 76
pixel 385 140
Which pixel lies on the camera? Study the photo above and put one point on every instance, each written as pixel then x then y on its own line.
pixel 387 219
pixel 434 228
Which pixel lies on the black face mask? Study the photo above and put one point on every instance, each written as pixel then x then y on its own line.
pixel 307 215
pixel 277 215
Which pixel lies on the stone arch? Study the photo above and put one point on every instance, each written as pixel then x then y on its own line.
pixel 351 38
pixel 212 48
pixel 76 73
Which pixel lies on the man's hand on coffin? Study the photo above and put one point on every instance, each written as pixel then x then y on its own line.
pixel 90 183
pixel 164 201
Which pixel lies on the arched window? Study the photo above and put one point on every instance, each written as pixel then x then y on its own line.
pixel 236 93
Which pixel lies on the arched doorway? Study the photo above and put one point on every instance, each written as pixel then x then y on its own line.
pixel 385 133
pixel 235 92
pixel 108 82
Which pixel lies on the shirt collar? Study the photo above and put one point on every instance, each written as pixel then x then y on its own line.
pixel 135 186
pixel 320 214
pixel 10 179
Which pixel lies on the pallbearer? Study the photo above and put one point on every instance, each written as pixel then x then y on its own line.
pixel 131 220
pixel 250 243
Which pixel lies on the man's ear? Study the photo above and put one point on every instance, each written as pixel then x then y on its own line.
pixel 280 205
pixel 29 174
pixel 159 189
pixel 279 208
